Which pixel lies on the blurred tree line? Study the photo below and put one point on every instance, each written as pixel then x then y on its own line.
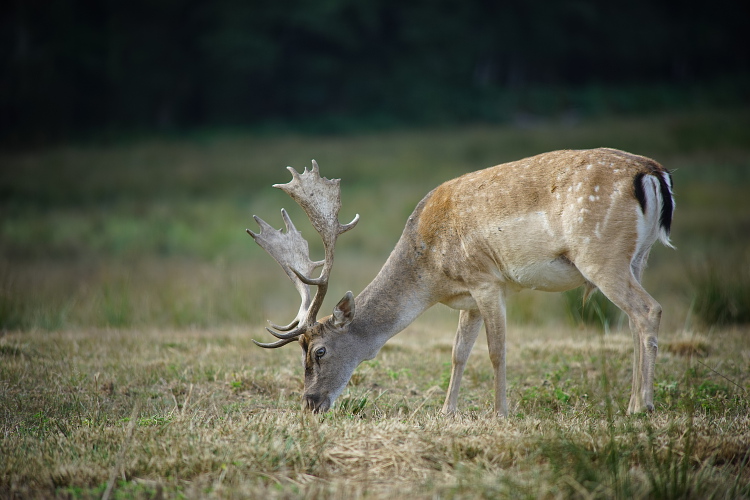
pixel 80 65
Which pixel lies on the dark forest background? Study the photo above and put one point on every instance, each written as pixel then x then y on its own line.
pixel 74 67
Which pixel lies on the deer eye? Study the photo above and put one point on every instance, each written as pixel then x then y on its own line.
pixel 320 352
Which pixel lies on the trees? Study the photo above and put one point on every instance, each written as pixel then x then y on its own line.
pixel 79 64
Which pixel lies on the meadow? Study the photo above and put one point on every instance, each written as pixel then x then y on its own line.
pixel 129 295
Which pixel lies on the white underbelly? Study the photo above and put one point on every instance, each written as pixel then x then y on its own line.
pixel 464 302
pixel 550 276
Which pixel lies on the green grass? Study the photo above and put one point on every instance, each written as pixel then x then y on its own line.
pixel 129 293
pixel 722 292
pixel 597 311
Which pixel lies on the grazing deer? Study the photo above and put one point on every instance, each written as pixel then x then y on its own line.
pixel 552 222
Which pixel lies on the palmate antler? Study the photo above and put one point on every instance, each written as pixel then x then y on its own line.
pixel 320 198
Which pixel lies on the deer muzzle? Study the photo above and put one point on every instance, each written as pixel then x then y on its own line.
pixel 317 403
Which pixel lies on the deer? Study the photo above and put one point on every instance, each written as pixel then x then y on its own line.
pixel 551 222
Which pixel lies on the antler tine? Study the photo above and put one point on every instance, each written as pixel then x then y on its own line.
pixel 320 198
pixel 290 250
pixel 284 328
pixel 273 345
pixel 346 227
pixel 296 333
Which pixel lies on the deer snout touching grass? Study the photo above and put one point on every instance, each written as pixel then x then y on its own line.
pixel 551 222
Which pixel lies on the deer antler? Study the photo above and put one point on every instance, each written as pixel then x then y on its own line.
pixel 291 251
pixel 320 198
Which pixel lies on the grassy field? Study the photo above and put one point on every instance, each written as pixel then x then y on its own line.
pixel 129 294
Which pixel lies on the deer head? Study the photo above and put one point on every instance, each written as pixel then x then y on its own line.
pixel 327 347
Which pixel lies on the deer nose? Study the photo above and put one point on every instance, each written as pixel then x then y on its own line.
pixel 315 403
pixel 311 401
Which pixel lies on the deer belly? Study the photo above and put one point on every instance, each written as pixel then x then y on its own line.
pixel 550 276
pixel 461 301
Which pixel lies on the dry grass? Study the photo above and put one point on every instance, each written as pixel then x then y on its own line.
pixel 213 416
pixel 699 347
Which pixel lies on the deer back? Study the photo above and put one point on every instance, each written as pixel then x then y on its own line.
pixel 523 222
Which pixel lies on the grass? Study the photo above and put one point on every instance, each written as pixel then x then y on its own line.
pixel 203 414
pixel 597 311
pixel 129 294
pixel 722 292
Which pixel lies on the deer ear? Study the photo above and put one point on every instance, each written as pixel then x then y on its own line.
pixel 343 313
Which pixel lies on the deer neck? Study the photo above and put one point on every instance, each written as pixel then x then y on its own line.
pixel 393 300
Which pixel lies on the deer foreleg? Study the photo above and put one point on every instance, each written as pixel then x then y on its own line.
pixel 491 302
pixel 469 323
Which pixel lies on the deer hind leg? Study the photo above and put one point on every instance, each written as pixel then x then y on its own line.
pixel 644 313
pixel 639 403
pixel 636 398
pixel 469 323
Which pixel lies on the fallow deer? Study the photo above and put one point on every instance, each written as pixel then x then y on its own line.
pixel 552 222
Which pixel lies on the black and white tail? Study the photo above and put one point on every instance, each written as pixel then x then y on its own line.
pixel 654 193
